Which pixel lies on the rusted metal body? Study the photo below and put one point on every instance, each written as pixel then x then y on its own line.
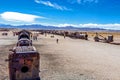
pixel 80 35
pixel 24 60
pixel 24 64
pixel 4 34
pixel 24 34
pixel 100 38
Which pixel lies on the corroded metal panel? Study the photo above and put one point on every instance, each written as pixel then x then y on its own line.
pixel 24 66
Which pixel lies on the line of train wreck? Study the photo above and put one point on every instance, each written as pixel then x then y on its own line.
pixel 80 35
pixel 24 59
pixel 77 35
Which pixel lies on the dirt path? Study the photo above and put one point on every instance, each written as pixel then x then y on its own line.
pixel 6 43
pixel 78 59
pixel 70 59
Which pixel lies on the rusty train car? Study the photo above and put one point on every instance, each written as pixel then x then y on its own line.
pixel 100 38
pixel 24 59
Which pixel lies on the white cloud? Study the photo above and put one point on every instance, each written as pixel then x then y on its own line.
pixel 65 25
pixel 50 4
pixel 106 26
pixel 114 26
pixel 19 17
pixel 82 1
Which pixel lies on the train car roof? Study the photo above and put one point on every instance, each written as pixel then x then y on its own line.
pixel 22 31
pixel 24 39
pixel 25 49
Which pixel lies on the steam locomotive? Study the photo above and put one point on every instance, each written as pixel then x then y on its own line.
pixel 24 59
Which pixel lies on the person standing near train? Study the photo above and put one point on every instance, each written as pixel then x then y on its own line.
pixel 57 40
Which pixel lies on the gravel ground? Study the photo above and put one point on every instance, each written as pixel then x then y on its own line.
pixel 70 59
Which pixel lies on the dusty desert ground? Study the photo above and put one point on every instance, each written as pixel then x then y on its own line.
pixel 70 59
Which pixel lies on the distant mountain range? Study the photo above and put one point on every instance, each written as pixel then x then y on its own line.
pixel 54 28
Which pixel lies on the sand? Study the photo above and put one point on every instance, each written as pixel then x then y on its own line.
pixel 70 59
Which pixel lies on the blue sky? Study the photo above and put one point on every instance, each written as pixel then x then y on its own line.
pixel 78 13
